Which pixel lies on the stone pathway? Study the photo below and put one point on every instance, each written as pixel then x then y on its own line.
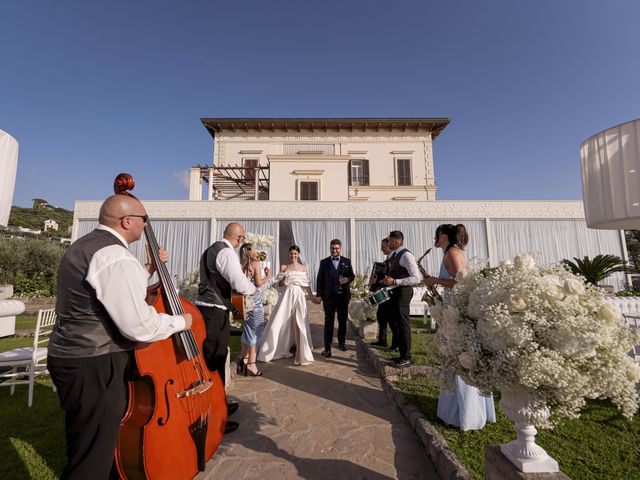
pixel 327 420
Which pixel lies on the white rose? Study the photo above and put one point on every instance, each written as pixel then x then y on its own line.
pixel 506 263
pixel 516 303
pixel 551 287
pixel 609 313
pixel 524 261
pixel 466 359
pixel 463 275
pixel 573 286
pixel 633 372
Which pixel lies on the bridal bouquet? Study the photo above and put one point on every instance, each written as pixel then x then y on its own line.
pixel 540 330
pixel 260 240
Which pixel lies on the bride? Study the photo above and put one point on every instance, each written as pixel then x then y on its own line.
pixel 288 324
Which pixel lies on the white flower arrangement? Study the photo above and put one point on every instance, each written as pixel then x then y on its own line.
pixel 188 286
pixel 260 240
pixel 270 296
pixel 360 310
pixel 537 329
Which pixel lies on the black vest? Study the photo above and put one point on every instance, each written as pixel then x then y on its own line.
pixel 395 269
pixel 213 287
pixel 83 327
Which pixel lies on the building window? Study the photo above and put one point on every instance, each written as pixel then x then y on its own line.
pixel 309 190
pixel 359 172
pixel 403 172
pixel 249 174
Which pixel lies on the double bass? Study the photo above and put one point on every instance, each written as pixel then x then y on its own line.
pixel 177 407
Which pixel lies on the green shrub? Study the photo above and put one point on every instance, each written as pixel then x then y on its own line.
pixel 31 265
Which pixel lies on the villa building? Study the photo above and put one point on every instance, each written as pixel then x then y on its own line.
pixel 309 180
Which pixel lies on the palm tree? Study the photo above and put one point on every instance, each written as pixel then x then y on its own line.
pixel 598 268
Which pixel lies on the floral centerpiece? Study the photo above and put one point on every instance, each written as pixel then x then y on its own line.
pixel 539 333
pixel 359 309
pixel 260 240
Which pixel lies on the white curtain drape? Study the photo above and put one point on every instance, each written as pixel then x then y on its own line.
pixel 313 238
pixel 185 240
pixel 554 240
pixel 418 237
pixel 259 227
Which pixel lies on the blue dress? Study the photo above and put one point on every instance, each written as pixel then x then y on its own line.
pixel 465 408
pixel 254 322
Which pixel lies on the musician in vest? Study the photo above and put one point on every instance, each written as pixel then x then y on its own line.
pixel 101 314
pixel 220 271
pixel 403 273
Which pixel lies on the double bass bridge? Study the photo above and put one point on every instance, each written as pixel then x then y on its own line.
pixel 198 389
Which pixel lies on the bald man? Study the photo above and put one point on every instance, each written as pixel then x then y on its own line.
pixel 101 314
pixel 220 271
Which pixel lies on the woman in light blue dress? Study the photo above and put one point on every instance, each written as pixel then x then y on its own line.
pixel 465 408
pixel 254 318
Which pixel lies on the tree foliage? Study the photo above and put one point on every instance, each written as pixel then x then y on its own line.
pixel 34 218
pixel 30 264
pixel 598 268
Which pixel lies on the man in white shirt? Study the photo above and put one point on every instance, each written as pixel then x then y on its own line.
pixel 220 272
pixel 101 315
pixel 403 273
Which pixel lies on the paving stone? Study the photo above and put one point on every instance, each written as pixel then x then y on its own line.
pixel 328 420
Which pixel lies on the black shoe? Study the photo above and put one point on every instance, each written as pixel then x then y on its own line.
pixel 231 426
pixel 401 362
pixel 379 343
pixel 391 349
pixel 232 407
pixel 326 353
pixel 342 347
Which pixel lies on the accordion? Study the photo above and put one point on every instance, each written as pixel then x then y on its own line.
pixel 378 272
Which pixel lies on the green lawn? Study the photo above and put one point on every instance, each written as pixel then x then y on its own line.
pixel 599 445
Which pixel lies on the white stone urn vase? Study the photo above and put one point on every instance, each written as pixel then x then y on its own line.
pixel 523 452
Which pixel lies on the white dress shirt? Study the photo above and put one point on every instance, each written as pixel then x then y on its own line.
pixel 408 261
pixel 120 282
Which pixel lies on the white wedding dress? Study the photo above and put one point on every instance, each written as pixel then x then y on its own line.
pixel 279 334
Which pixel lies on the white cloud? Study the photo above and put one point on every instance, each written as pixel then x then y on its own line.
pixel 181 178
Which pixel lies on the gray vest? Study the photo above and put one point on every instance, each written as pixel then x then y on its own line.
pixel 213 287
pixel 83 328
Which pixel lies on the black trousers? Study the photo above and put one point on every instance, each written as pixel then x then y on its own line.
pixel 331 304
pixel 217 341
pixel 382 315
pixel 93 395
pixel 400 310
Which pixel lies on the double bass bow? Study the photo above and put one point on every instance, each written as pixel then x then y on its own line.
pixel 177 408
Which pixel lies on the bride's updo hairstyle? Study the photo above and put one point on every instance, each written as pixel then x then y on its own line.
pixel 456 234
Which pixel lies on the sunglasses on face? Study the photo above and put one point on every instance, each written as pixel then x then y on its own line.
pixel 145 218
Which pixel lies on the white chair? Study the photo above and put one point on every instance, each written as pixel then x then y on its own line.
pixel 634 322
pixel 21 366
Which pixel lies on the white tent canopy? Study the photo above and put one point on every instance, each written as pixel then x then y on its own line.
pixel 8 167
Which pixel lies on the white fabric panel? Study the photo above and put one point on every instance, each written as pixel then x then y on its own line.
pixel 418 237
pixel 185 240
pixel 313 237
pixel 259 227
pixel 610 182
pixel 554 240
pixel 8 167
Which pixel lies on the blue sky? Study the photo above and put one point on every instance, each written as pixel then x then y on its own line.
pixel 90 89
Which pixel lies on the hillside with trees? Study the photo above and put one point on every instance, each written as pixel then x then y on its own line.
pixel 35 217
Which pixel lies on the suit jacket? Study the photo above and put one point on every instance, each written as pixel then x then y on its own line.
pixel 327 281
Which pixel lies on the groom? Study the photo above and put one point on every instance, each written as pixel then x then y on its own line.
pixel 332 286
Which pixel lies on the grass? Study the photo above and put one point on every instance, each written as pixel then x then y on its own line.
pixel 600 445
pixel 32 440
pixel 421 350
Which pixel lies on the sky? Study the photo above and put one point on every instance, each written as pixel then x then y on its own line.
pixel 90 89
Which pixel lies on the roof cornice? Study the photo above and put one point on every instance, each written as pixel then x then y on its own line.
pixel 434 126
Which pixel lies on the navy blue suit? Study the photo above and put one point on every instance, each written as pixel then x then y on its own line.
pixel 335 297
